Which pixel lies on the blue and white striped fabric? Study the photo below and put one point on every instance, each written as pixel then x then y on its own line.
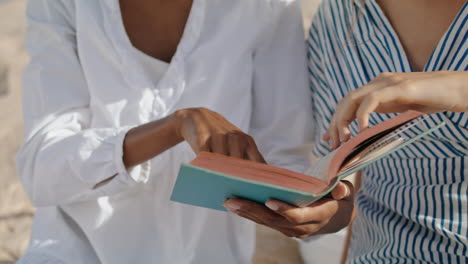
pixel 412 207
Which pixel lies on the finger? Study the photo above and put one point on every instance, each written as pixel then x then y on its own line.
pixel 368 106
pixel 318 212
pixel 285 231
pixel 235 145
pixel 326 136
pixel 219 144
pixel 333 133
pixel 343 191
pixel 372 101
pixel 299 231
pixel 346 110
pixel 259 212
pixel 343 132
pixel 204 146
pixel 253 153
pixel 344 115
pixel 248 216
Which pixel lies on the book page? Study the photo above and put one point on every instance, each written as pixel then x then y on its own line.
pixel 320 168
pixel 380 146
pixel 372 152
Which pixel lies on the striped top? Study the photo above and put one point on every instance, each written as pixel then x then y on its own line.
pixel 412 206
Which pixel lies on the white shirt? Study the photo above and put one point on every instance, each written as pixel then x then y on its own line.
pixel 85 88
pixel 153 68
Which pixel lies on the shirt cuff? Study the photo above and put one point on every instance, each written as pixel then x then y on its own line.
pixel 139 173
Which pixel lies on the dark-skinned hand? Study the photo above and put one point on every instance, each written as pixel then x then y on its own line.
pixel 328 215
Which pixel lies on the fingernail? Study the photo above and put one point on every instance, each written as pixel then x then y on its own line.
pixel 272 205
pixel 325 137
pixel 232 205
pixel 348 192
pixel 342 138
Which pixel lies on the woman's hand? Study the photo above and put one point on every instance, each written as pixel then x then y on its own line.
pixel 206 130
pixel 327 215
pixel 427 92
pixel 203 129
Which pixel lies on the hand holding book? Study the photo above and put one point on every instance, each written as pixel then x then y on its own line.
pixel 328 215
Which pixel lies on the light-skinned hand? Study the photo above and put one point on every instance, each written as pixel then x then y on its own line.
pixel 427 92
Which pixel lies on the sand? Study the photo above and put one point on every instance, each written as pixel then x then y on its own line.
pixel 16 211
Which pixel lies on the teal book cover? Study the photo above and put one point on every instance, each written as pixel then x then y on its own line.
pixel 209 189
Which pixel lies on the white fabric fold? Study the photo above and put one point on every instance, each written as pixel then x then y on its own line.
pixel 84 89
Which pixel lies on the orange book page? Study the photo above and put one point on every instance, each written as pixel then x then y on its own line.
pixel 343 152
pixel 259 172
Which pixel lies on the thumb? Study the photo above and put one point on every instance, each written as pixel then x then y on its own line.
pixel 284 209
pixel 343 191
pixel 279 206
pixel 317 212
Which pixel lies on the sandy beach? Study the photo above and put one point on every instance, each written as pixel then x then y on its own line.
pixel 15 210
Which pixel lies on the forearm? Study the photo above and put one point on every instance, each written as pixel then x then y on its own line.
pixel 64 161
pixel 149 140
pixel 80 163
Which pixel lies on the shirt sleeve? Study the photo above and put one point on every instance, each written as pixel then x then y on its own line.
pixel 63 160
pixel 281 121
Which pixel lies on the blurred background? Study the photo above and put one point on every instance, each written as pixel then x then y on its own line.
pixel 15 210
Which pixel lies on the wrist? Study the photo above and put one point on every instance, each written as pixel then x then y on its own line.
pixel 177 120
pixel 148 140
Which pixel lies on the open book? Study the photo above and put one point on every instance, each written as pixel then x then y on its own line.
pixel 210 178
